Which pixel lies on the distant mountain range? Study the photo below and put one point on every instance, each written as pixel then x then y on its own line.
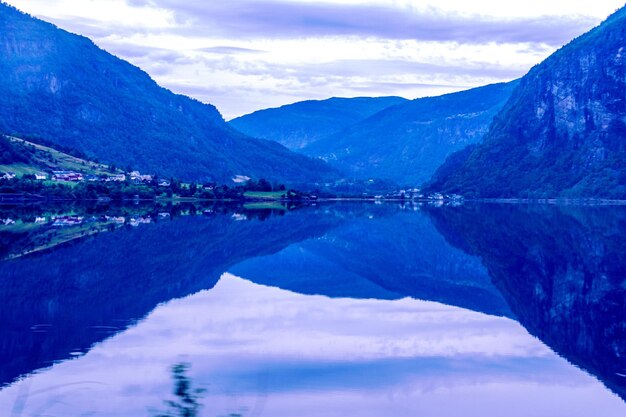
pixel 405 141
pixel 558 132
pixel 302 124
pixel 408 142
pixel 562 133
pixel 63 88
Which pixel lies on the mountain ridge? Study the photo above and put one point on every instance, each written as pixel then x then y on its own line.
pixel 419 135
pixel 62 87
pixel 302 123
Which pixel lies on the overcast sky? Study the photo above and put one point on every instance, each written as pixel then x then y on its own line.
pixel 244 55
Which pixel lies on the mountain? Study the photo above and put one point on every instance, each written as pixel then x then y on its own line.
pixel 408 142
pixel 63 88
pixel 562 133
pixel 298 125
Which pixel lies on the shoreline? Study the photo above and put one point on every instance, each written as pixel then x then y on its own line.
pixel 21 199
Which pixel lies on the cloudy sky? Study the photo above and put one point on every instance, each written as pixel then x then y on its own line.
pixel 244 55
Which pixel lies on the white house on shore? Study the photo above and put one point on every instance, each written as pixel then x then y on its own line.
pixel 139 177
pixel 67 176
pixel 117 178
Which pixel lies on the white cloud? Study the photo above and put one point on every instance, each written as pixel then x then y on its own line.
pixel 307 49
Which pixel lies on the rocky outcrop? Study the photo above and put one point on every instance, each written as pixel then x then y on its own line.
pixel 562 133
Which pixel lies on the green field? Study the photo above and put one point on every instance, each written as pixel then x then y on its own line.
pixel 44 159
pixel 19 169
pixel 262 195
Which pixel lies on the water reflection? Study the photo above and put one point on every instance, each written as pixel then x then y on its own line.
pixel 341 309
pixel 561 269
pixel 383 253
pixel 263 350
pixel 56 303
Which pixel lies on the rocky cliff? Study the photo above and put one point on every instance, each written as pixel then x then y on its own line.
pixel 562 133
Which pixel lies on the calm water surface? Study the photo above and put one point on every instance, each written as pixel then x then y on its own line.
pixel 335 310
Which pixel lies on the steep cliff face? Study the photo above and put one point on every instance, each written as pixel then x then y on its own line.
pixel 406 143
pixel 63 88
pixel 562 133
pixel 561 270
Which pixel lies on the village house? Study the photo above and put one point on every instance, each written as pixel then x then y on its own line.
pixel 40 176
pixel 67 176
pixel 137 177
pixel 117 178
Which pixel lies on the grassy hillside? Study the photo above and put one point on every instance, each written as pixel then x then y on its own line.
pixel 23 157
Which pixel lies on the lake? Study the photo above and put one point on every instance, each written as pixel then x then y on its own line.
pixel 329 310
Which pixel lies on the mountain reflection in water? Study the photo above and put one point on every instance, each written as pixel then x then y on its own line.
pixel 351 308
